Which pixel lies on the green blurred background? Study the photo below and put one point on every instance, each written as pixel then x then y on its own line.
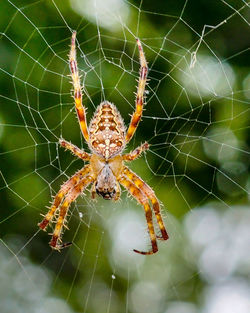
pixel 197 123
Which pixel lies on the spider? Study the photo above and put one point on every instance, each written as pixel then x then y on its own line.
pixel 106 137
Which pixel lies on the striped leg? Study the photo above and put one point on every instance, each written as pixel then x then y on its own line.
pixel 75 150
pixel 60 195
pixel 70 197
pixel 151 195
pixel 136 117
pixel 80 109
pixel 142 199
pixel 136 153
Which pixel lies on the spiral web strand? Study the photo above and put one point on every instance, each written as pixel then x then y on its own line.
pixel 196 120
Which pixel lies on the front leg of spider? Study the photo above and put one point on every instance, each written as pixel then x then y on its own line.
pixel 106 137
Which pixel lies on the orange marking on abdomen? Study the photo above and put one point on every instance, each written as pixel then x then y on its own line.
pixel 107 131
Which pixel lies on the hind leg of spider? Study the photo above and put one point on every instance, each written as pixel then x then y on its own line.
pixel 151 195
pixel 80 109
pixel 136 117
pixel 69 184
pixel 75 150
pixel 142 199
pixel 63 210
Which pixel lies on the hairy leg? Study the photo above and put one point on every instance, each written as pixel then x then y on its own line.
pixel 135 153
pixel 75 150
pixel 151 195
pixel 136 117
pixel 70 197
pixel 66 187
pixel 142 199
pixel 80 109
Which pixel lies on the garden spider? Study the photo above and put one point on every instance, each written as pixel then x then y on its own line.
pixel 106 138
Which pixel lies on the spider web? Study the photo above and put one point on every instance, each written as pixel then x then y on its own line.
pixel 196 121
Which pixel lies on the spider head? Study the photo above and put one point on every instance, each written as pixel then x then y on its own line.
pixel 106 194
pixel 106 185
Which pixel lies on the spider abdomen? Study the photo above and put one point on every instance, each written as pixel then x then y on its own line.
pixel 107 131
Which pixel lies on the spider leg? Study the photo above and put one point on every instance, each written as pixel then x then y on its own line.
pixel 151 195
pixel 69 198
pixel 80 109
pixel 69 184
pixel 75 150
pixel 136 117
pixel 142 199
pixel 135 153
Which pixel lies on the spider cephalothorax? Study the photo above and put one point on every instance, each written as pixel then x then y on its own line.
pixel 106 137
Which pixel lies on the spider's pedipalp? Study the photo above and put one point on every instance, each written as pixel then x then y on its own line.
pixel 93 192
pixel 136 117
pixel 118 192
pixel 151 195
pixel 142 199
